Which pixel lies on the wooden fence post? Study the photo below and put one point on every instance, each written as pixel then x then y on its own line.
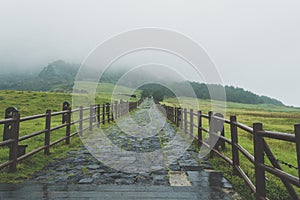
pixel 91 117
pixel 234 140
pixel 119 109
pixel 178 116
pixel 129 106
pixel 297 137
pixel 112 112
pixel 167 111
pixel 209 117
pixel 47 133
pixel 211 153
pixel 124 108
pixel 68 127
pixel 108 112
pixel 116 109
pixel 223 134
pixel 191 123
pixel 65 107
pixel 80 120
pixel 98 115
pixel 260 179
pixel 13 152
pixel 199 128
pixel 174 114
pixel 185 120
pixel 181 118
pixel 103 113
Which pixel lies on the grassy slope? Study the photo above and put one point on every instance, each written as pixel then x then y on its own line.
pixel 274 118
pixel 31 103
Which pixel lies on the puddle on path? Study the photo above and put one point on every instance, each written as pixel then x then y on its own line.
pixel 178 178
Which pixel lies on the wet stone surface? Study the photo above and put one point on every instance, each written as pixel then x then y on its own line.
pixel 81 168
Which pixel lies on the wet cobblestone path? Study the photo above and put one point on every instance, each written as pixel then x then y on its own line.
pixel 166 175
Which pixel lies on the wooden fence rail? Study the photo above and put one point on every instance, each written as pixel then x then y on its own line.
pixel 97 114
pixel 183 118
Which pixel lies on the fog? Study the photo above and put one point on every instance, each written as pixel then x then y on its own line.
pixel 254 44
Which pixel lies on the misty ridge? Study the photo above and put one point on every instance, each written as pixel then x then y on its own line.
pixel 59 76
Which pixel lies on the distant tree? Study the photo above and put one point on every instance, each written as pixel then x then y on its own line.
pixel 146 93
pixel 157 91
pixel 158 95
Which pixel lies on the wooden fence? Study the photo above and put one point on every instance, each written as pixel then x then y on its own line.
pixel 94 115
pixel 184 119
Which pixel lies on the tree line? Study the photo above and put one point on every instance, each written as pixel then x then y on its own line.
pixel 233 94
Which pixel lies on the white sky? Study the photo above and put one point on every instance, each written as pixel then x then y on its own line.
pixel 255 44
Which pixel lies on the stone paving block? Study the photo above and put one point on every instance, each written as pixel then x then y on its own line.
pixel 80 171
pixel 86 181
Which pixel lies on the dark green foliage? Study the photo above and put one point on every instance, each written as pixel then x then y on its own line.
pixel 146 93
pixel 59 72
pixel 111 77
pixel 158 92
pixel 158 95
pixel 239 95
pixel 233 94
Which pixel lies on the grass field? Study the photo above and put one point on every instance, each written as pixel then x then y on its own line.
pixel 31 103
pixel 274 118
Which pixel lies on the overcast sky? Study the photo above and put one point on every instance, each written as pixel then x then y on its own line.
pixel 255 44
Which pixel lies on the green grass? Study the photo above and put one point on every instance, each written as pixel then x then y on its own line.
pixel 108 91
pixel 274 118
pixel 31 103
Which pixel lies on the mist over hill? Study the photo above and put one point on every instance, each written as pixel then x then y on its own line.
pixel 59 76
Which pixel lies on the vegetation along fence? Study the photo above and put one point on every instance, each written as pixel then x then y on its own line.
pixel 184 119
pixel 89 117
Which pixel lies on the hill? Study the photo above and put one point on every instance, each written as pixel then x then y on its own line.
pixel 56 76
pixel 59 76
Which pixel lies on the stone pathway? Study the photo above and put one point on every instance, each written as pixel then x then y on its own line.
pixel 135 135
